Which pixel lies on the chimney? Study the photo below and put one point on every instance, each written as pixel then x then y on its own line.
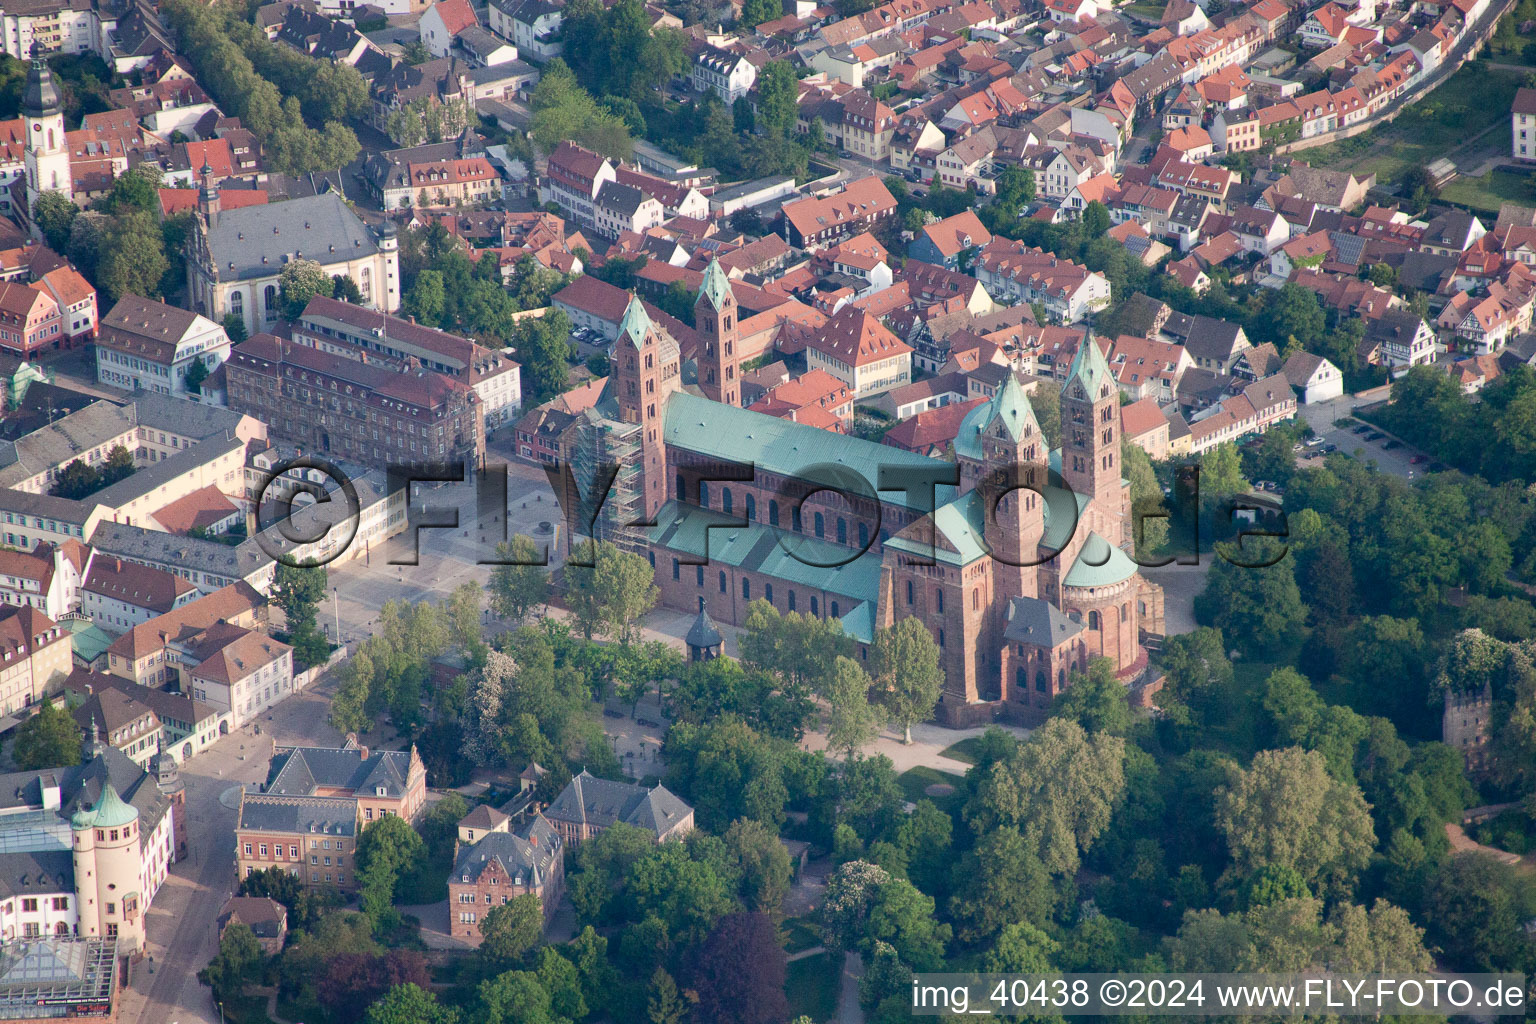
pixel 363 750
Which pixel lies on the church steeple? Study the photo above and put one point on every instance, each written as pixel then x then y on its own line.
pixel 645 373
pixel 1013 447
pixel 714 317
pixel 46 149
pixel 1090 435
pixel 41 98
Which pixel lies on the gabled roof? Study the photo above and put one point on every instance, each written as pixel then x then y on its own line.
pixel 588 800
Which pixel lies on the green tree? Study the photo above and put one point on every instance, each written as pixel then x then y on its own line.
pixel 1000 882
pixel 755 12
pixel 517 589
pixel 511 930
pixel 234 327
pixel 1061 786
pixel 1475 907
pixel 1021 949
pixel 543 345
pixel 1095 219
pixel 238 955
pixel 515 997
pixel 1286 811
pixel 851 721
pixel 427 299
pixel 1260 608
pixel 388 849
pixel 132 259
pixel 301 280
pixel 1096 700
pixel 54 216
pixel 612 593
pixel 49 739
pixel 665 1004
pixel 905 665
pixel 197 372
pixel 409 1004
pixel 776 92
pixel 763 862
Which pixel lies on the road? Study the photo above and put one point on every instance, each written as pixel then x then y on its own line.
pixel 181 929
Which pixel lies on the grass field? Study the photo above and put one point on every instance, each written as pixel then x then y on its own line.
pixel 811 985
pixel 914 781
pixel 965 750
pixel 1456 112
pixel 1493 188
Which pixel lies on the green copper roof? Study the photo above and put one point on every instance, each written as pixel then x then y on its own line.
pixel 717 286
pixel 860 623
pixel 110 812
pixel 797 559
pixel 1099 565
pixel 1089 366
pixel 636 323
pixel 782 447
pixel 1011 406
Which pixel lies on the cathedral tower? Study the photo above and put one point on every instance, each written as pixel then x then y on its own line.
pixel 1090 440
pixel 1014 452
pixel 716 322
pixel 646 375
pixel 47 150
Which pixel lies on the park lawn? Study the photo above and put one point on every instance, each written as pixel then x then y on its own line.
pixel 1475 98
pixel 965 750
pixel 799 934
pixel 914 781
pixel 1491 190
pixel 292 1011
pixel 811 985
pixel 247 1010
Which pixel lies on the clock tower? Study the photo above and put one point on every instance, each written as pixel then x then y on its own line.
pixel 47 151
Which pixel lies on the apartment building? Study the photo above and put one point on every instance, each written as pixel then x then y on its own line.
pixel 861 352
pixel 35 657
pixel 363 411
pixel 344 329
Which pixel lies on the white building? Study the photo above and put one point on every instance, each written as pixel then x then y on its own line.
pixel 151 346
pixel 1522 117
pixel 728 75
pixel 238 255
pixel 533 25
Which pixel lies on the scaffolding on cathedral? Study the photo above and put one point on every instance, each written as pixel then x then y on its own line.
pixel 607 446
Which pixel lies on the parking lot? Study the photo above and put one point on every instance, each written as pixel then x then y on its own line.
pixel 1368 445
pixel 588 343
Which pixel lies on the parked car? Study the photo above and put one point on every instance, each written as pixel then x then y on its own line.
pixel 1375 435
pixel 1391 445
pixel 1364 428
pixel 1418 459
pixel 1330 448
pixel 1314 442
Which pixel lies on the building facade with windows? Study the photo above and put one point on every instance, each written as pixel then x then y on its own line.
pixel 362 411
pixel 316 802
pixel 151 346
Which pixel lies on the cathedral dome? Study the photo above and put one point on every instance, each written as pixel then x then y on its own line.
pixel 1099 564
